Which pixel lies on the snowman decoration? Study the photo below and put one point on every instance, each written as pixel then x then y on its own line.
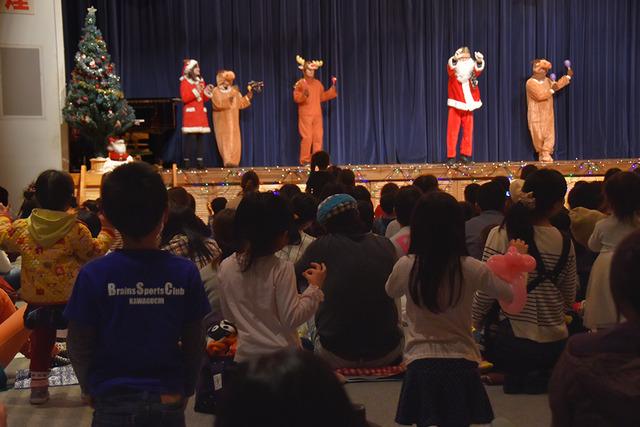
pixel 117 154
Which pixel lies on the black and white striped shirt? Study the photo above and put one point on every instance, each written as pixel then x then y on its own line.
pixel 542 319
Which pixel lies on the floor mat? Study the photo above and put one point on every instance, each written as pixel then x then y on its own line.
pixel 59 376
pixel 387 373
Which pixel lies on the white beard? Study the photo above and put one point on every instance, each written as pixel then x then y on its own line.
pixel 464 69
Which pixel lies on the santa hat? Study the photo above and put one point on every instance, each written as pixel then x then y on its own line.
pixel 188 65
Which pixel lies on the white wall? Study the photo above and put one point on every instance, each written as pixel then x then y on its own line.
pixel 30 145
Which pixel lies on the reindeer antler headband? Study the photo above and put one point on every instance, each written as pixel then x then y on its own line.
pixel 314 65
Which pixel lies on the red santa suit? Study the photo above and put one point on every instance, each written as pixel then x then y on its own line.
pixel 193 94
pixel 463 98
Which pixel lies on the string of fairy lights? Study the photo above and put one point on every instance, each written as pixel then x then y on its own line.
pixel 215 181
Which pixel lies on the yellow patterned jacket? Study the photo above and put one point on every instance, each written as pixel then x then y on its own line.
pixel 53 245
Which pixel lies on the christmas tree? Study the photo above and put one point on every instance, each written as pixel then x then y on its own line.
pixel 95 103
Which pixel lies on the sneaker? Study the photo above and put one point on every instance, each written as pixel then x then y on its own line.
pixel 451 161
pixel 39 395
pixel 465 160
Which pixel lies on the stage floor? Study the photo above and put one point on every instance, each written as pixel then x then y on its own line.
pixel 224 182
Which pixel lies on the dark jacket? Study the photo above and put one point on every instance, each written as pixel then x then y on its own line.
pixel 597 380
pixel 357 319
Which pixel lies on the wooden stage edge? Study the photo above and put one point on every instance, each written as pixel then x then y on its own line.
pixel 215 182
pixel 403 172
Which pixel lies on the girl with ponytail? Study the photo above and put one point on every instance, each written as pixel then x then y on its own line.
pixel 526 345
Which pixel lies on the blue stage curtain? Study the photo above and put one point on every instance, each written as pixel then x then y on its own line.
pixel 389 57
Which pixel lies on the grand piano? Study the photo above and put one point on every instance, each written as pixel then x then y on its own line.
pixel 155 124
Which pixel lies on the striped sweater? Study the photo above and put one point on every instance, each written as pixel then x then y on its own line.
pixel 542 319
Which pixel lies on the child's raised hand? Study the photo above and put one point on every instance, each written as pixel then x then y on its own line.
pixel 316 274
pixel 520 245
pixel 4 210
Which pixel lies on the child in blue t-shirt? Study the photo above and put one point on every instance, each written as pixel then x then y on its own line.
pixel 135 335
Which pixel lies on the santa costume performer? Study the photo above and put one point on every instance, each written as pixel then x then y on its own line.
pixel 540 91
pixel 227 102
pixel 464 98
pixel 194 92
pixel 309 93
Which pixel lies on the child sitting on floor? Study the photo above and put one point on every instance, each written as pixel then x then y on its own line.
pixel 135 316
pixel 622 192
pixel 442 385
pixel 257 289
pixel 53 245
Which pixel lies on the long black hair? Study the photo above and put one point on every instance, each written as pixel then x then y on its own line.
pixel 286 388
pixel 182 219
pixel 260 219
pixel 548 187
pixel 438 242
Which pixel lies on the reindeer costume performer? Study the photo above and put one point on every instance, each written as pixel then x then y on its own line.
pixel 227 103
pixel 309 93
pixel 540 91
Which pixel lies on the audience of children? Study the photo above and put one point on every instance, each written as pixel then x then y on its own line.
pixel 248 276
pixel 357 322
pixel 526 345
pixel 442 385
pixel 257 289
pixel 135 316
pixel 622 192
pixel 53 246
